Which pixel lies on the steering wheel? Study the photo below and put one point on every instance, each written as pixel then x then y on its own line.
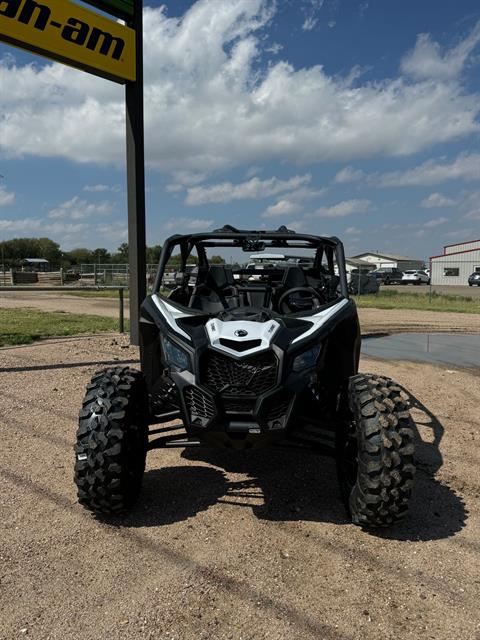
pixel 314 297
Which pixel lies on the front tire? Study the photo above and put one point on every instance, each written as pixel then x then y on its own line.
pixel 112 441
pixel 375 450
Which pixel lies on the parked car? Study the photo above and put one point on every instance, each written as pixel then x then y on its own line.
pixel 361 281
pixel 474 278
pixel 414 276
pixel 388 275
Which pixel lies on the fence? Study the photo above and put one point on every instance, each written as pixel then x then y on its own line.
pixel 111 274
pixel 43 278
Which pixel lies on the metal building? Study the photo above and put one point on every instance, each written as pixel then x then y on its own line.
pixel 456 263
pixel 390 260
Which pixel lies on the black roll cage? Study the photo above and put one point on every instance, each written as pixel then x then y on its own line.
pixel 235 238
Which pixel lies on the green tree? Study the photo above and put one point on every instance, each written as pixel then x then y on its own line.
pixel 81 255
pixel 101 256
pixel 16 250
pixel 153 254
pixel 121 256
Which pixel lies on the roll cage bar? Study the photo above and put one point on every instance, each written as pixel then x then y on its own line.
pixel 253 240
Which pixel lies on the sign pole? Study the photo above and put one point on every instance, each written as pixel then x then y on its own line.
pixel 136 182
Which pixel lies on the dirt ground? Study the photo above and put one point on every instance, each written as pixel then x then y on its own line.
pixel 372 320
pixel 230 546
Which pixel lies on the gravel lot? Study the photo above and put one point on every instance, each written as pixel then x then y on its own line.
pixel 227 546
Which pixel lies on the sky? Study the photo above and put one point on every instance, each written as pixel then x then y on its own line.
pixel 355 118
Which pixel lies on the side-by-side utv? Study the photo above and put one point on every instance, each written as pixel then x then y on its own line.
pixel 245 358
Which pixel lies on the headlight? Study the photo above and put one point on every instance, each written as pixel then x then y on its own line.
pixel 307 359
pixel 176 356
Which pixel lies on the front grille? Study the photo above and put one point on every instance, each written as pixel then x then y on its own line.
pixel 199 406
pixel 239 405
pixel 249 376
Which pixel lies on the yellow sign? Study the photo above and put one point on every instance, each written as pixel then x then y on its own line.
pixel 69 33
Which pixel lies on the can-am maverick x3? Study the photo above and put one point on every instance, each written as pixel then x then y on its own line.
pixel 246 364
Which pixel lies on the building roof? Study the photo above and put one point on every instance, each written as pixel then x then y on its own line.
pixel 359 262
pixel 458 244
pixel 390 256
pixel 36 260
pixel 455 253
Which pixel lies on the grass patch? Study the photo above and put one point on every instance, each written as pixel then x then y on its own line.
pixel 421 301
pixel 24 326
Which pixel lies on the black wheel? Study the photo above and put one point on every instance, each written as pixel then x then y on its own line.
pixel 112 440
pixel 375 450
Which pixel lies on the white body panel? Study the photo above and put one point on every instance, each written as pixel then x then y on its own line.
pixel 320 319
pixel 264 331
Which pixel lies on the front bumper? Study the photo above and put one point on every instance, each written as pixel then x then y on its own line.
pixel 250 395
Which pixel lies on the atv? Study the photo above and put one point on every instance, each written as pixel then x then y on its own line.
pixel 241 363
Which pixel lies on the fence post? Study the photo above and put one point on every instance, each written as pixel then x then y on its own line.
pixel 121 322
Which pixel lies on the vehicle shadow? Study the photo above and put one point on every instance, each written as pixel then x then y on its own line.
pixel 283 485
pixel 437 510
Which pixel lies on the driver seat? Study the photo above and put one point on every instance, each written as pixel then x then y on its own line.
pixel 292 278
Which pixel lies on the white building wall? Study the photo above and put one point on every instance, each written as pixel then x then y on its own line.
pixel 382 262
pixel 465 263
pixel 378 261
pixel 465 246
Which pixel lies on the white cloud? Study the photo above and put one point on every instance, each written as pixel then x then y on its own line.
pixel 344 208
pixel 281 208
pixel 113 232
pixel 436 200
pixel 310 23
pixel 208 107
pixel 275 48
pixel 253 171
pixel 459 233
pixel 473 215
pixel 183 179
pixel 26 224
pixel 466 166
pixel 435 222
pixel 348 174
pixel 352 231
pixel 77 209
pixel 296 225
pixel 427 60
pixel 6 197
pixel 37 225
pixel 251 189
pixel 291 202
pixel 188 224
pixel 101 188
